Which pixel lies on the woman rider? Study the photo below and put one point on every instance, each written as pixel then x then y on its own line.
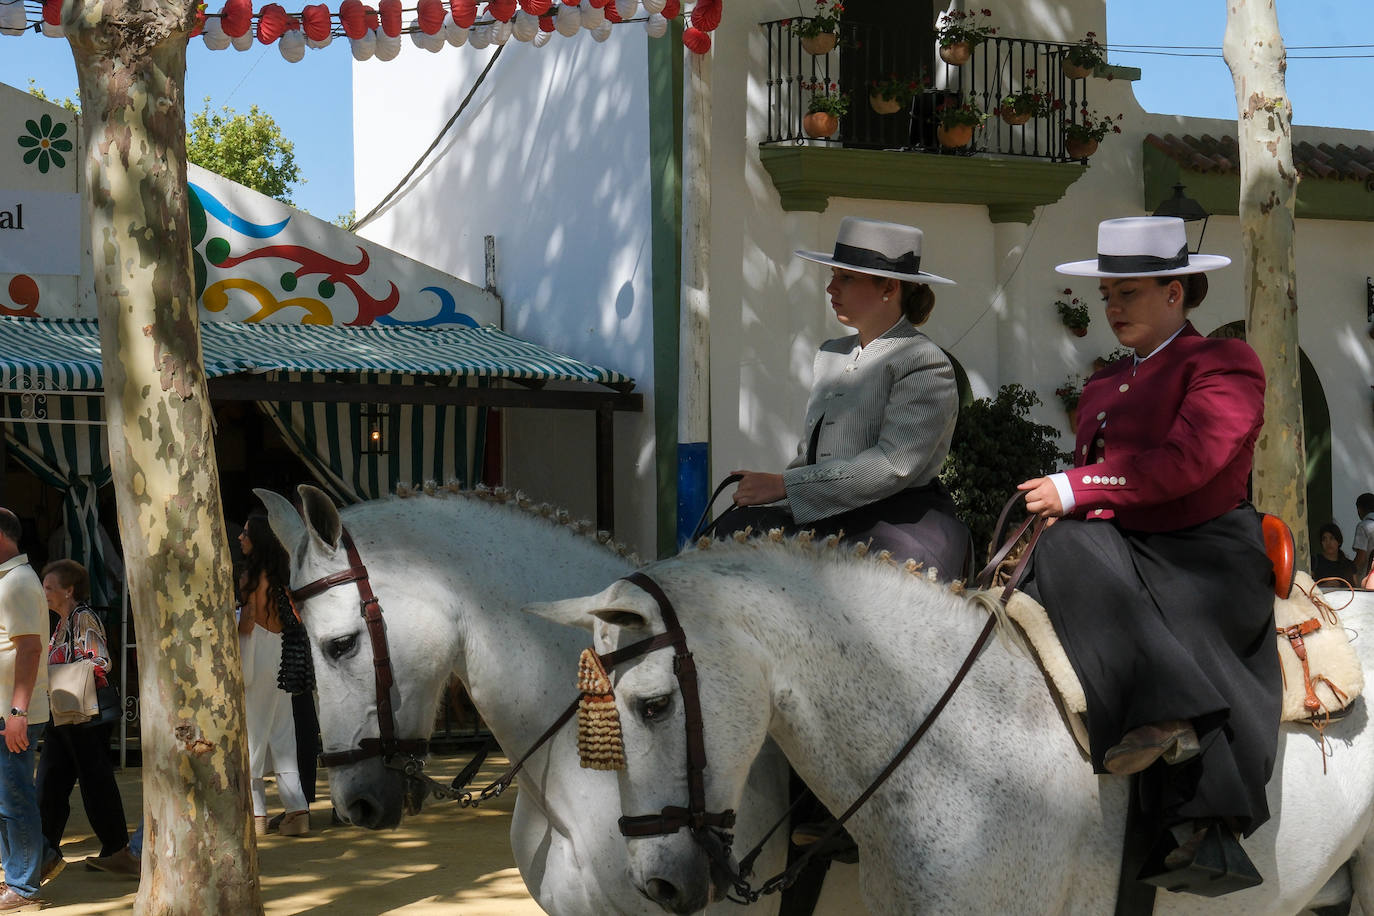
pixel 1155 574
pixel 880 416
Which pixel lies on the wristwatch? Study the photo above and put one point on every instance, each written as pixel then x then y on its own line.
pixel 16 711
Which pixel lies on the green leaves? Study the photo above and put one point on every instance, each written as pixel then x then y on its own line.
pixel 996 447
pixel 247 148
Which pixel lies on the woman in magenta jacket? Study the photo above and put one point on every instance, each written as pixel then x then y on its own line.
pixel 1155 572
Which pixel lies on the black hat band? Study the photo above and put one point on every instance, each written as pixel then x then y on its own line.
pixel 1132 264
pixel 868 259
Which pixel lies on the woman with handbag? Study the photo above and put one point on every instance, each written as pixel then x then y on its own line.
pixel 78 752
pixel 272 665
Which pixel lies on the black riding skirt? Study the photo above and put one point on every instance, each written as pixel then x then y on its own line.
pixel 1173 625
pixel 918 523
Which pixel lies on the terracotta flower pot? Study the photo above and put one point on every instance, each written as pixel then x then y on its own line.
pixel 1073 418
pixel 1015 117
pixel 1080 149
pixel 883 105
pixel 1076 71
pixel 957 54
pixel 956 136
pixel 1079 332
pixel 820 124
pixel 820 44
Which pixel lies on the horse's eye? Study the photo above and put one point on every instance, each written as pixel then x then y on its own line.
pixel 340 646
pixel 655 709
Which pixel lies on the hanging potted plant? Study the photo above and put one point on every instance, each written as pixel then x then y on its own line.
pixel 1068 395
pixel 1028 102
pixel 1082 58
pixel 1082 134
pixel 821 32
pixel 957 119
pixel 1074 313
pixel 1102 362
pixel 825 109
pixel 893 94
pixel 959 32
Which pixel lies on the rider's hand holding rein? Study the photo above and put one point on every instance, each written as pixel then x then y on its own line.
pixel 758 488
pixel 1042 497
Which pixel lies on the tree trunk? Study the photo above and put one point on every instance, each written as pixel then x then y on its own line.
pixel 1268 190
pixel 131 67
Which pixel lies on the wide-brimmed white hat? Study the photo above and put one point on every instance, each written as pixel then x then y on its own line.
pixel 1143 246
pixel 872 246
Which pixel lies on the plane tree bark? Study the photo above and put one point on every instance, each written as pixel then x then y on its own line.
pixel 1254 51
pixel 131 65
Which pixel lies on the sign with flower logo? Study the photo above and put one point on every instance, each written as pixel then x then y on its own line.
pixel 44 143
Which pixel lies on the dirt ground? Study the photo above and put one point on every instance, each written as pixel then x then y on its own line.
pixel 445 860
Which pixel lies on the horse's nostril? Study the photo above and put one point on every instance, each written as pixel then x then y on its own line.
pixel 664 893
pixel 671 897
pixel 364 813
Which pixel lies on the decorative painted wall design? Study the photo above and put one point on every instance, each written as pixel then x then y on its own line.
pixel 23 292
pixel 251 264
pixel 45 144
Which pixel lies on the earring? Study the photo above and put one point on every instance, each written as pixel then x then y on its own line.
pixel 885 299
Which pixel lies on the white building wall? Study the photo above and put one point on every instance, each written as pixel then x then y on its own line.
pixel 571 154
pixel 551 158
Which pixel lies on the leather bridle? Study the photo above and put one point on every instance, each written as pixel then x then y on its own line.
pixel 715 842
pixel 405 754
pixel 708 827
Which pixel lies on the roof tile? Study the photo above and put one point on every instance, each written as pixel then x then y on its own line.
pixel 1222 155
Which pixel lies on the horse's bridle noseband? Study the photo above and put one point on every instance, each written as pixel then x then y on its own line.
pixel 387 746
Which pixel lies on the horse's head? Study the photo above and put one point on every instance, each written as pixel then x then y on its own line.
pixel 366 791
pixel 674 869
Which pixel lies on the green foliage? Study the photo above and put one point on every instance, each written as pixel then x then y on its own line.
pixel 69 103
pixel 346 220
pixel 1086 52
pixel 826 20
pixel 247 148
pixel 996 447
pixel 960 112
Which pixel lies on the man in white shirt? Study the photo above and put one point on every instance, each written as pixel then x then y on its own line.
pixel 24 680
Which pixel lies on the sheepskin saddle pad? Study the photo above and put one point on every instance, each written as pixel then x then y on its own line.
pixel 1321 672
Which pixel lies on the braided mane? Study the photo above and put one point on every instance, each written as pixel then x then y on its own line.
pixel 517 501
pixel 805 543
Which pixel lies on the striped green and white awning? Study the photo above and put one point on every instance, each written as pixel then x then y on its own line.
pixel 65 355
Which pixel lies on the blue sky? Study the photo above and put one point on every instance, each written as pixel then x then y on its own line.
pixel 312 100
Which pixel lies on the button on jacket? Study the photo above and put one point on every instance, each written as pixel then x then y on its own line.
pixel 1167 444
pixel 882 418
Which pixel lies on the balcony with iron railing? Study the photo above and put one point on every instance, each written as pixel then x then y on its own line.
pixel 1010 168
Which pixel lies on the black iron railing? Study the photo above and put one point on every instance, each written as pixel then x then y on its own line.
pixel 865 54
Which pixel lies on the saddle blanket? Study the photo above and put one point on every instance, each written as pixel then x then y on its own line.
pixel 1331 682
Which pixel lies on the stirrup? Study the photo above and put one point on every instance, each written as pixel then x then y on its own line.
pixel 1220 865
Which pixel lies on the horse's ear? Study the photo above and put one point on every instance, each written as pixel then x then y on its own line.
pixel 282 516
pixel 321 516
pixel 585 612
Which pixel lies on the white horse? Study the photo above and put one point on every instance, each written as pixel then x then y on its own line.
pixel 995 811
pixel 451 572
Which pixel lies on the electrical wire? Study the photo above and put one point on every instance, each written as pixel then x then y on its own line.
pixel 1002 287
pixel 357 223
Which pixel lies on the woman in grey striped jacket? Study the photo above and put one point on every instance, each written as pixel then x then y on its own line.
pixel 880 417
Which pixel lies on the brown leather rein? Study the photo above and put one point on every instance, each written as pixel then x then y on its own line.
pixel 708 829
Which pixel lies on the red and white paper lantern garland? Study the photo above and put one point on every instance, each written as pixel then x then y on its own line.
pixel 377 30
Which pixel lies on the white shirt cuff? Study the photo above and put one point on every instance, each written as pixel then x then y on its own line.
pixel 1061 483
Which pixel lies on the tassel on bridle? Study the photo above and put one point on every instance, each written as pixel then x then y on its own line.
pixel 599 742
